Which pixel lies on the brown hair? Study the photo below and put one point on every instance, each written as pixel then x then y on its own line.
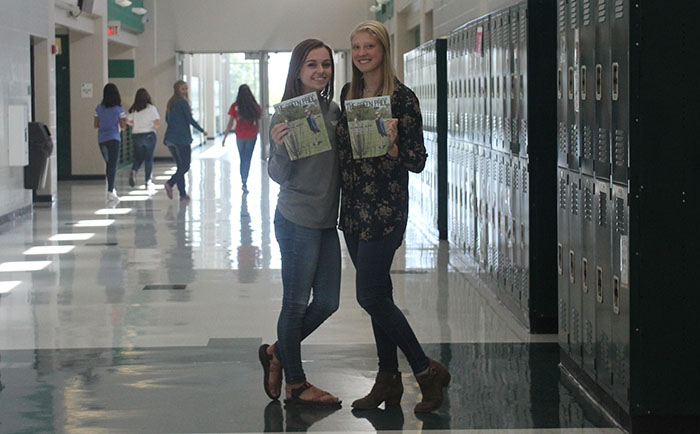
pixel 293 87
pixel 376 29
pixel 141 101
pixel 176 95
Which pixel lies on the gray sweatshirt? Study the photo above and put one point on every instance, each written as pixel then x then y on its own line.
pixel 309 187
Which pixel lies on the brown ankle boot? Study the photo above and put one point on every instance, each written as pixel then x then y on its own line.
pixel 387 388
pixel 431 383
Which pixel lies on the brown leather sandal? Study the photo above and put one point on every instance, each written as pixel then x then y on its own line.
pixel 297 401
pixel 266 361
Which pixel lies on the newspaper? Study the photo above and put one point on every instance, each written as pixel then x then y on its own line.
pixel 367 126
pixel 307 130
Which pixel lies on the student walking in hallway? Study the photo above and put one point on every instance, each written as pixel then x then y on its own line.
pixel 178 137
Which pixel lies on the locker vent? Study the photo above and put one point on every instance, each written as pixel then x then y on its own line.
pixel 602 209
pixel 621 369
pixel 523 133
pixel 620 220
pixel 575 328
pixel 587 143
pixel 605 351
pixel 563 320
pixel 562 16
pixel 574 141
pixel 620 148
pixel 573 14
pixel 574 198
pixel 562 194
pixel 508 176
pixel 516 179
pixel 588 347
pixel 619 9
pixel 586 12
pixel 587 204
pixel 603 145
pixel 602 11
pixel 525 180
pixel 563 139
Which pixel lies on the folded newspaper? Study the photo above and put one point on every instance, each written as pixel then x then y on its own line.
pixel 307 130
pixel 367 119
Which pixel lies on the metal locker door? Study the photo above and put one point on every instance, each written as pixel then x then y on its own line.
pixel 523 78
pixel 573 94
pixel 603 283
pixel 450 191
pixel 484 211
pixel 512 87
pixel 573 258
pixel 525 235
pixel 495 71
pixel 562 257
pixel 621 297
pixel 506 75
pixel 619 70
pixel 492 187
pixel 487 108
pixel 602 91
pixel 562 85
pixel 469 198
pixel 514 224
pixel 460 199
pixel 586 85
pixel 587 274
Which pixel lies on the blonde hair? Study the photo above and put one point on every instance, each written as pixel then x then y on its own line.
pixel 176 95
pixel 376 29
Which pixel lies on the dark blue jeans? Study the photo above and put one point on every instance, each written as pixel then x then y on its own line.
pixel 310 262
pixel 182 154
pixel 110 153
pixel 372 260
pixel 245 152
pixel 144 146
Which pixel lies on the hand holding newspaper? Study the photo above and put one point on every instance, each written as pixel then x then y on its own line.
pixel 307 131
pixel 367 125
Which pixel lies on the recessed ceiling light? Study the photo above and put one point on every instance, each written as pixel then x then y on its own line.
pixel 24 266
pixel 123 3
pixel 48 250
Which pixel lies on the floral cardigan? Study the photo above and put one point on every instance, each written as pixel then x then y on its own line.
pixel 374 198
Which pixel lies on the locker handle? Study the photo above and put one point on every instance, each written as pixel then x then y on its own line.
pixel 572 266
pixel 598 82
pixel 616 295
pixel 522 90
pixel 571 82
pixel 512 86
pixel 560 259
pixel 599 284
pixel 583 82
pixel 615 80
pixel 584 274
pixel 559 83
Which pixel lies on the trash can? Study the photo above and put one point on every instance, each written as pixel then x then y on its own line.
pixel 40 148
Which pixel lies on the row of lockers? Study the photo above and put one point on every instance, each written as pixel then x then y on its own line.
pixel 492 177
pixel 571 180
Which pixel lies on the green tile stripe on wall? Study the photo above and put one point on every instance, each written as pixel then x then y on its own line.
pixel 120 68
pixel 130 21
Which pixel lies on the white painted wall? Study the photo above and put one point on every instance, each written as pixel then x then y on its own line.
pixel 17 24
pixel 273 25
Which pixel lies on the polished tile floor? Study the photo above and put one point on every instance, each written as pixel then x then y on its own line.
pixel 146 318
